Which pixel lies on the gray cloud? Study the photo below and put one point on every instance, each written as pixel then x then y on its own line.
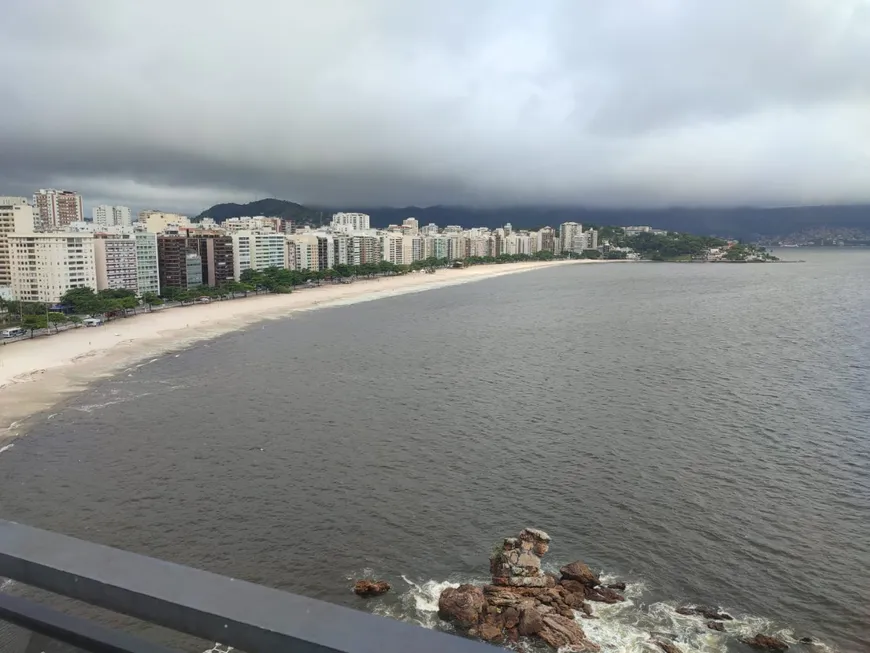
pixel 365 102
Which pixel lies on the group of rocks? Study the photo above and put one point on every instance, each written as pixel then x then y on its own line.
pixel 523 601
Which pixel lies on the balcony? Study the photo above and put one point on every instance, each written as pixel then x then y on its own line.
pixel 248 617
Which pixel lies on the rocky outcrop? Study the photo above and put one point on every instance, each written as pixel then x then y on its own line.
pixel 367 587
pixel 766 643
pixel 463 606
pixel 716 625
pixel 523 601
pixel 668 647
pixel 704 611
pixel 580 572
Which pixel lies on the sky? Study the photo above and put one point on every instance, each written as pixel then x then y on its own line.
pixel 182 104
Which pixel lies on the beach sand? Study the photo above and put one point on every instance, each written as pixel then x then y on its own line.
pixel 37 374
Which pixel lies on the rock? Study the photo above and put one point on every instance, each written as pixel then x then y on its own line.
pixel 616 586
pixel 586 609
pixel 716 625
pixel 766 642
pixel 574 586
pixel 604 595
pixel 531 622
pixel 579 571
pixel 512 634
pixel 807 640
pixel 705 611
pixel 490 633
pixel 565 611
pixel 588 647
pixel 501 597
pixel 511 617
pixel 668 647
pixel 713 613
pixel 462 606
pixel 654 633
pixel 540 541
pixel 371 587
pixel 559 631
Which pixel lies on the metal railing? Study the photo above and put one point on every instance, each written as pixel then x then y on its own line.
pixel 215 608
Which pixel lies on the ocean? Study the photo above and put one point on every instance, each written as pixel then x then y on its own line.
pixel 701 432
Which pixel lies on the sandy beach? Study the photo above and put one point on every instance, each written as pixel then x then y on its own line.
pixel 37 374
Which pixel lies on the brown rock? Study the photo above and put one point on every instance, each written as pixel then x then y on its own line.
pixel 586 609
pixel 512 634
pixel 579 571
pixel 561 631
pixel 616 586
pixel 565 611
pixel 604 595
pixel 668 647
pixel 462 606
pixel 531 622
pixel 573 586
pixel 685 610
pixel 511 617
pixel 371 587
pixel 490 633
pixel 767 643
pixel 716 625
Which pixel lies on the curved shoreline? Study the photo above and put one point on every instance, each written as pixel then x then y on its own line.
pixel 36 375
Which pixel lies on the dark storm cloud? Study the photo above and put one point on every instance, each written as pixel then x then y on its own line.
pixel 363 102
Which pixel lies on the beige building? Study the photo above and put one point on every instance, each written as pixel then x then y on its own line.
pixel 16 216
pixel 115 262
pixel 46 265
pixel 156 222
pixel 55 209
pixel 257 251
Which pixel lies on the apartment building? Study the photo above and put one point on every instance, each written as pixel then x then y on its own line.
pixel 568 231
pixel 253 223
pixel 147 270
pixel 115 262
pixel 156 222
pixel 55 209
pixel 257 251
pixel 112 216
pixel 16 216
pixel 350 222
pixel 45 265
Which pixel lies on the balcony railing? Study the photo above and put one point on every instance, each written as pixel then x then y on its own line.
pixel 238 614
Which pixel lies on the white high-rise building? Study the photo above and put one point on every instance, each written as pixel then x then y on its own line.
pixel 16 216
pixel 112 216
pixel 55 209
pixel 115 262
pixel 410 226
pixel 46 265
pixel 568 231
pixel 147 271
pixel 257 251
pixel 349 222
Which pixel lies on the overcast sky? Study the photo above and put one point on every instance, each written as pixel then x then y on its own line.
pixel 181 104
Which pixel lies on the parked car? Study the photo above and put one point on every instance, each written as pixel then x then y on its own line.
pixel 93 321
pixel 14 332
pixel 203 300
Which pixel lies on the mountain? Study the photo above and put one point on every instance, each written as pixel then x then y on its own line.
pixel 741 222
pixel 270 207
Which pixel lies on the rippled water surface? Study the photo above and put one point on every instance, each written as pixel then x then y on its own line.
pixel 700 431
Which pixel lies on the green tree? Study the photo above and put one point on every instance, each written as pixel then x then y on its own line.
pixel 56 319
pixel 151 299
pixel 591 254
pixel 34 322
pixel 83 301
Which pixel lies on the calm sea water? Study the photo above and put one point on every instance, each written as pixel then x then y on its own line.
pixel 700 431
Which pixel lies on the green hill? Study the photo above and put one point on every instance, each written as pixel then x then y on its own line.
pixel 269 207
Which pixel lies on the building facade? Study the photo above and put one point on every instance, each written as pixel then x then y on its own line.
pixel 156 222
pixel 55 209
pixel 44 266
pixel 147 271
pixel 115 262
pixel 112 216
pixel 16 216
pixel 257 251
pixel 349 222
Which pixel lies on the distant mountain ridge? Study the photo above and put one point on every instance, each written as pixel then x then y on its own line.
pixel 741 222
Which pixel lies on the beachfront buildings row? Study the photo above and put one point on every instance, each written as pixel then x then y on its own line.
pixel 165 250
